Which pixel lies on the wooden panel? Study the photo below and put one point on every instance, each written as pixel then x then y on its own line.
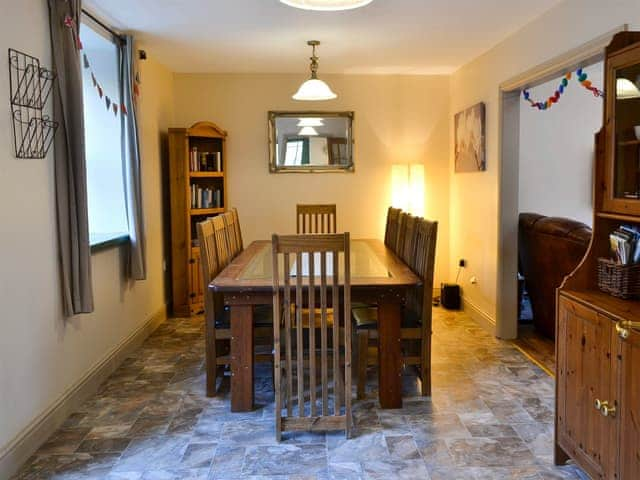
pixel 178 185
pixel 586 373
pixel 196 283
pixel 629 405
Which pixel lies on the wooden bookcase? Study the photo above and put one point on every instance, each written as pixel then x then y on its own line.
pixel 187 288
pixel 597 334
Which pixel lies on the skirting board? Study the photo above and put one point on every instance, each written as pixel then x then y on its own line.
pixel 29 440
pixel 479 316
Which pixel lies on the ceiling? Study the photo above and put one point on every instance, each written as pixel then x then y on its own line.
pixel 385 37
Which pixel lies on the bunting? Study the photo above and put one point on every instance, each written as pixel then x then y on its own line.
pixel 581 77
pixel 109 101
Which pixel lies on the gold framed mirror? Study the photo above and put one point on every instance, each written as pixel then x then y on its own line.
pixel 310 142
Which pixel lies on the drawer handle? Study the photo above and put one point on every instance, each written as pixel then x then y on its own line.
pixel 624 327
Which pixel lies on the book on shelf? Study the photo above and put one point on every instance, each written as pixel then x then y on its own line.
pixel 204 161
pixel 625 245
pixel 205 197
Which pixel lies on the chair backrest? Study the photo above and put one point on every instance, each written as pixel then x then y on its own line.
pixel 223 249
pixel 391 229
pixel 319 291
pixel 315 219
pixel 208 253
pixel 419 302
pixel 408 247
pixel 233 228
pixel 399 243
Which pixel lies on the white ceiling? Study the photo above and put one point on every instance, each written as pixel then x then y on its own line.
pixel 387 36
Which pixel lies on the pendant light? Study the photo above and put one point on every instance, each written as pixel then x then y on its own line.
pixel 326 5
pixel 310 122
pixel 314 89
pixel 308 132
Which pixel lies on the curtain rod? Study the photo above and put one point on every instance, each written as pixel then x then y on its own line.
pixel 102 24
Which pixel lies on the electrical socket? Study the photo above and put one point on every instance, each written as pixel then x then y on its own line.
pixel 462 263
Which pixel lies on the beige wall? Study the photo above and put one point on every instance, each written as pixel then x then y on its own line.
pixel 475 198
pixel 398 119
pixel 42 355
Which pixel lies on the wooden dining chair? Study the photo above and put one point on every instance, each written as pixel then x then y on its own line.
pixel 319 290
pixel 415 331
pixel 407 249
pixel 221 233
pixel 391 229
pixel 232 223
pixel 400 234
pixel 217 321
pixel 315 219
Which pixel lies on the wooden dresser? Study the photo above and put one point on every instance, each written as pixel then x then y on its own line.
pixel 598 345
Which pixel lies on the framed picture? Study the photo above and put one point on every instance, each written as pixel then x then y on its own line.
pixel 469 130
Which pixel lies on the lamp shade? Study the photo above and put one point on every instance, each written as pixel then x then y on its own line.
pixel 310 122
pixel 314 90
pixel 626 89
pixel 326 5
pixel 308 132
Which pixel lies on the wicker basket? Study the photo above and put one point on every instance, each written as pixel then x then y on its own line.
pixel 621 281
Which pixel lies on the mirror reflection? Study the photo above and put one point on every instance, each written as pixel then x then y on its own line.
pixel 310 141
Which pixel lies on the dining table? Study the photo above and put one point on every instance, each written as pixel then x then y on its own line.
pixel 378 278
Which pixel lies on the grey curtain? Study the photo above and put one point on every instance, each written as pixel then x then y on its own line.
pixel 131 161
pixel 69 159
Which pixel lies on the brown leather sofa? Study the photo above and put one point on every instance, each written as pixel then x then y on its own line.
pixel 549 248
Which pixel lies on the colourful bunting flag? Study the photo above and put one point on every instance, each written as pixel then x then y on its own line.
pixel 107 101
pixel 85 60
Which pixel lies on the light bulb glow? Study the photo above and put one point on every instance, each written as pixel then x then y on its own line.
pixel 310 122
pixel 407 188
pixel 314 90
pixel 626 89
pixel 326 5
pixel 308 132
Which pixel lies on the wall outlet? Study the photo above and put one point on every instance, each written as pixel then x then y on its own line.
pixel 473 280
pixel 462 263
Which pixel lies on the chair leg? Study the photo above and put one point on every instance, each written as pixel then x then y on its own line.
pixel 210 356
pixel 425 365
pixel 363 352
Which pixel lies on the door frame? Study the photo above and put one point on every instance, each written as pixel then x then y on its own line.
pixel 509 162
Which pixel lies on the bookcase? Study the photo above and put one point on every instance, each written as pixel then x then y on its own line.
pixel 198 189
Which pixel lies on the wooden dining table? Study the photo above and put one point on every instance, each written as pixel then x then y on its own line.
pixel 378 277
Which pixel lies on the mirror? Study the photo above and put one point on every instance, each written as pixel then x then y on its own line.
pixel 311 142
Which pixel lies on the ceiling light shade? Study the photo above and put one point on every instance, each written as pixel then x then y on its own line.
pixel 326 5
pixel 310 122
pixel 314 89
pixel 626 89
pixel 308 132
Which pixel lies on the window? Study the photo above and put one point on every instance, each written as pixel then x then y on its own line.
pixel 103 135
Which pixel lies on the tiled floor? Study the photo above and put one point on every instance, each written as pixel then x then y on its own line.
pixel 490 418
pixel 537 346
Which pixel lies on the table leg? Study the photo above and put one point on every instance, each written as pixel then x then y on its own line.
pixel 241 358
pixel 390 355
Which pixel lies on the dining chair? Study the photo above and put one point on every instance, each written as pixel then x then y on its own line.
pixel 400 234
pixel 296 348
pixel 407 248
pixel 221 233
pixel 391 229
pixel 217 321
pixel 415 332
pixel 315 219
pixel 232 223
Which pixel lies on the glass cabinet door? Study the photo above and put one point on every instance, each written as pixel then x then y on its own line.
pixel 627 133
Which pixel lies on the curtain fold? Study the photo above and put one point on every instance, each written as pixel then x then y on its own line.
pixel 69 159
pixel 131 162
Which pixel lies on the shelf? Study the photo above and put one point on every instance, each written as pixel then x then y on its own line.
pixel 205 211
pixel 618 216
pixel 606 304
pixel 206 174
pixel 629 143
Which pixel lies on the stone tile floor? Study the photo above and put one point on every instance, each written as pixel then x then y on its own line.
pixel 490 417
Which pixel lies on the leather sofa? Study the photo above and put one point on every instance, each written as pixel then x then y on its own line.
pixel 549 248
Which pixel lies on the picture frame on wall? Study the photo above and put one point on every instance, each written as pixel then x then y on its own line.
pixel 469 131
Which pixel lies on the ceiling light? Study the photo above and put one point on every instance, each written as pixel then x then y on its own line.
pixel 308 132
pixel 626 89
pixel 326 5
pixel 310 122
pixel 314 89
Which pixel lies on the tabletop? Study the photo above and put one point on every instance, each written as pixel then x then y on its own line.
pixel 372 264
